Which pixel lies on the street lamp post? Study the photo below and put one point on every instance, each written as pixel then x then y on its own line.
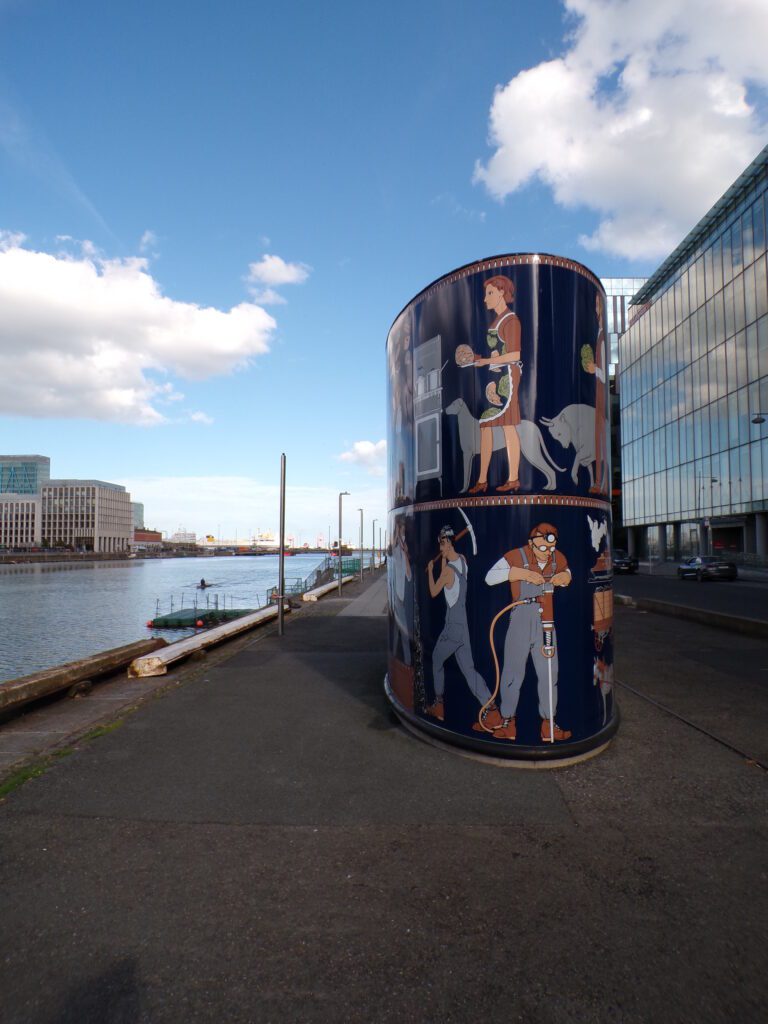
pixel 361 544
pixel 281 559
pixel 341 495
pixel 373 546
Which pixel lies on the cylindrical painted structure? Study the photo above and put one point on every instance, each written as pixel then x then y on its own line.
pixel 499 567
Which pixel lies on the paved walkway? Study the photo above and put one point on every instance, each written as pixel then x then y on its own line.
pixel 265 843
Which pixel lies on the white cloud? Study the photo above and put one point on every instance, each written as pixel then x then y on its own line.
pixel 241 504
pixel 83 336
pixel 147 241
pixel 645 119
pixel 371 455
pixel 267 297
pixel 201 417
pixel 273 271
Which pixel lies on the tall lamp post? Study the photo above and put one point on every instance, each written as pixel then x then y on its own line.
pixel 281 559
pixel 373 546
pixel 341 495
pixel 361 544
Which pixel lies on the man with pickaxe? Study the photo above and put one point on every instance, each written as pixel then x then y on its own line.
pixel 533 572
pixel 454 639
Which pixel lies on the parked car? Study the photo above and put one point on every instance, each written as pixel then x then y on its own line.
pixel 623 562
pixel 707 567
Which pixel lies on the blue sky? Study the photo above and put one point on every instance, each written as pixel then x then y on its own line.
pixel 211 213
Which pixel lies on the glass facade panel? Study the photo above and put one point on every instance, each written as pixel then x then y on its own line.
pixel 694 372
pixel 717 267
pixel 727 259
pixel 758 226
pixel 761 288
pixel 746 237
pixel 736 253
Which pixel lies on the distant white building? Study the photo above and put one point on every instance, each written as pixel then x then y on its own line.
pixel 90 515
pixel 183 537
pixel 20 521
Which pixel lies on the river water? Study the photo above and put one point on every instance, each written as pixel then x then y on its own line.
pixel 50 614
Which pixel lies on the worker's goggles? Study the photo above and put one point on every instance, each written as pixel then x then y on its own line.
pixel 550 538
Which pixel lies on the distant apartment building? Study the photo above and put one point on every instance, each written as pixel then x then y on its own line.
pixel 137 510
pixel 20 525
pixel 21 477
pixel 24 474
pixel 89 515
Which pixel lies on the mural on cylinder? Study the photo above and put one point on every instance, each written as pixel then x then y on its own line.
pixel 500 580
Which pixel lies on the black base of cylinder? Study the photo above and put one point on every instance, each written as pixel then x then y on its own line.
pixel 552 752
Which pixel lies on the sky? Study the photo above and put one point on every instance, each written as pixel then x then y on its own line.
pixel 210 214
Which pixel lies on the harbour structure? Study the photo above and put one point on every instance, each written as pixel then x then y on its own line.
pixel 694 387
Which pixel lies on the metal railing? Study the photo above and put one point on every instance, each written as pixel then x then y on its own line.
pixel 326 572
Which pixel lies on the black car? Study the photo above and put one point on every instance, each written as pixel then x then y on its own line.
pixel 623 562
pixel 707 567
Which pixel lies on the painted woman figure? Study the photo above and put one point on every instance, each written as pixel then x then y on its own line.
pixel 502 394
pixel 601 483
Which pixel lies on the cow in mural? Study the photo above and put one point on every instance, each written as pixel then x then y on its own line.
pixel 575 426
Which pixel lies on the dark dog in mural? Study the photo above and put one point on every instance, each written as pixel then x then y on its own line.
pixel 532 445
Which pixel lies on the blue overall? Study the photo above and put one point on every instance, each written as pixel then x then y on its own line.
pixel 454 640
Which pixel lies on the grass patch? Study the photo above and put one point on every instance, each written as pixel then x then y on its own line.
pixel 103 730
pixel 32 771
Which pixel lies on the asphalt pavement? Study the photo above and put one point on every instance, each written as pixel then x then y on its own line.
pixel 263 842
pixel 745 597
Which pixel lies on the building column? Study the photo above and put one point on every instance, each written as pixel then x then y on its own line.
pixel 677 542
pixel 761 534
pixel 661 535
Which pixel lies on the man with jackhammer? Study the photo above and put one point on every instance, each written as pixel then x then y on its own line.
pixel 533 572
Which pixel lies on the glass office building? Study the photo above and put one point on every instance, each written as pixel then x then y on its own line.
pixel 24 474
pixel 694 387
pixel 619 292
